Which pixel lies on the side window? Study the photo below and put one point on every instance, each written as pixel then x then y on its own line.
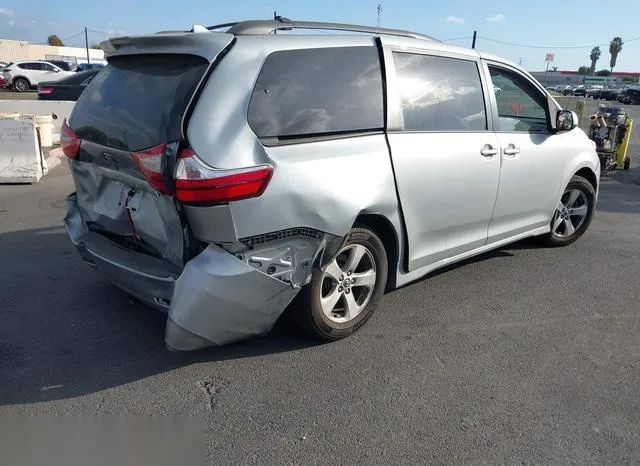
pixel 47 67
pixel 439 93
pixel 521 107
pixel 25 66
pixel 314 92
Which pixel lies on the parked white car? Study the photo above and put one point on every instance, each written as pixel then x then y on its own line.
pixel 25 75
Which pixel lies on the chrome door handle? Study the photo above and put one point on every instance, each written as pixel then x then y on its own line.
pixel 488 150
pixel 511 150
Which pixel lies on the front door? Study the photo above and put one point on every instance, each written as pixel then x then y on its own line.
pixel 446 161
pixel 532 156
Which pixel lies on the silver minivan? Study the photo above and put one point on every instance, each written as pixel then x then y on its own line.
pixel 226 174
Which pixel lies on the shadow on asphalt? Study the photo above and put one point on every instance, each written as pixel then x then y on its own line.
pixel 67 332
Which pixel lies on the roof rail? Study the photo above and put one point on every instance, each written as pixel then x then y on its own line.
pixel 285 24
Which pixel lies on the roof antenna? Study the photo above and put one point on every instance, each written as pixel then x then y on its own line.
pixel 379 13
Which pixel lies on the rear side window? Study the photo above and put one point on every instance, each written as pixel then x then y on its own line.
pixel 137 101
pixel 314 92
pixel 439 93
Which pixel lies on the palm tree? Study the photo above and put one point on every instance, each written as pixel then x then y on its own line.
pixel 615 47
pixel 594 56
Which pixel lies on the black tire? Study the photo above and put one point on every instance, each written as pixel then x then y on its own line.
pixel 306 310
pixel 581 184
pixel 21 85
pixel 627 163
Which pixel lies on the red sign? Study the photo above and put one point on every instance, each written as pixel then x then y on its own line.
pixel 550 57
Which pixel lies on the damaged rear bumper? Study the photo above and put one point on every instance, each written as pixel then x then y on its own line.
pixel 216 299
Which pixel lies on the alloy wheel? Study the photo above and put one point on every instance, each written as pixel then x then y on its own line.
pixel 348 283
pixel 571 212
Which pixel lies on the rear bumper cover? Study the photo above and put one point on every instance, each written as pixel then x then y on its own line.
pixel 217 299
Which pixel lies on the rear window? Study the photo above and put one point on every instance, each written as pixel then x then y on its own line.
pixel 77 78
pixel 313 92
pixel 137 102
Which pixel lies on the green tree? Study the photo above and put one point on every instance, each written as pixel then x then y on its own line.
pixel 615 47
pixel 603 73
pixel 55 40
pixel 584 70
pixel 594 56
pixel 554 68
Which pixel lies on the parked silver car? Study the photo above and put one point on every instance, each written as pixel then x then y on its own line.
pixel 224 177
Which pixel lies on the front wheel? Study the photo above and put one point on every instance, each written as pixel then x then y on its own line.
pixel 573 214
pixel 340 299
pixel 21 85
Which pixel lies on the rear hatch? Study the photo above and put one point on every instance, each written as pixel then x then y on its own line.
pixel 123 136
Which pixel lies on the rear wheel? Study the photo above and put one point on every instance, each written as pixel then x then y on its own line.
pixel 340 299
pixel 573 213
pixel 21 85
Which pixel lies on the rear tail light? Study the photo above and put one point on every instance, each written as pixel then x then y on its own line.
pixel 149 162
pixel 198 184
pixel 69 141
pixel 45 90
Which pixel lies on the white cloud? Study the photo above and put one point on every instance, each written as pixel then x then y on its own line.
pixel 496 18
pixel 455 19
pixel 6 12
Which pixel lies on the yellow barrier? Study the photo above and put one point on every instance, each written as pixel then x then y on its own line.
pixel 624 146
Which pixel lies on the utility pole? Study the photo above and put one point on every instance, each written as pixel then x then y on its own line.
pixel 520 62
pixel 275 18
pixel 379 13
pixel 473 41
pixel 86 44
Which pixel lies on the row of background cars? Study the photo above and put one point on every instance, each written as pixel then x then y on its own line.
pixel 629 94
pixel 54 79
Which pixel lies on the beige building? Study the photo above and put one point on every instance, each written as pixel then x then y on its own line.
pixel 16 50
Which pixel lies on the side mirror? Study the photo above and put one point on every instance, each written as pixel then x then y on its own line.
pixel 566 120
pixel 56 70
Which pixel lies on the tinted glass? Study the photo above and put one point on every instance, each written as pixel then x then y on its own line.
pixel 521 107
pixel 440 94
pixel 77 78
pixel 26 66
pixel 47 67
pixel 318 91
pixel 137 102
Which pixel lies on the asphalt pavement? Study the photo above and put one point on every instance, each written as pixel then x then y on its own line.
pixel 9 94
pixel 524 355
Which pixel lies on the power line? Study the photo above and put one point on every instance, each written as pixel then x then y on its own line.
pixel 102 32
pixel 554 46
pixel 456 38
pixel 71 37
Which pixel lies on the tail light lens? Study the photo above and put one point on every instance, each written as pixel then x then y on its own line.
pixel 45 90
pixel 149 162
pixel 69 141
pixel 198 184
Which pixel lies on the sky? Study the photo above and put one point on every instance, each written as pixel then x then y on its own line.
pixel 569 28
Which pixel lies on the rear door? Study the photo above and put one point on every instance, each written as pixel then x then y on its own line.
pixel 129 124
pixel 446 160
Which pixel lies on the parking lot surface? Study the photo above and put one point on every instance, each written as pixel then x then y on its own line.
pixel 9 94
pixel 526 354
